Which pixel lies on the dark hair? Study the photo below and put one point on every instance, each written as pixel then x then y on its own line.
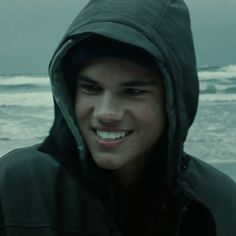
pixel 95 47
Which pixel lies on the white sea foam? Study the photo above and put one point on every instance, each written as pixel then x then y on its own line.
pixel 221 73
pixel 26 99
pixel 218 97
pixel 18 80
pixel 34 99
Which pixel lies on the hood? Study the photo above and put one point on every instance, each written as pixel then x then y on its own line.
pixel 161 28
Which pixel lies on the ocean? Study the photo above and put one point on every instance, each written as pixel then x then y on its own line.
pixel 26 115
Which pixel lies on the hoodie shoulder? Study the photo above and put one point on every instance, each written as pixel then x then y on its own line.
pixel 205 176
pixel 27 167
pixel 37 193
pixel 213 189
pixel 23 158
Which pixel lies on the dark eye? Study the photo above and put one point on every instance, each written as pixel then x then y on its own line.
pixel 135 92
pixel 89 88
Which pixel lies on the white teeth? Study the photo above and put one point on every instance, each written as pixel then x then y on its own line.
pixel 111 135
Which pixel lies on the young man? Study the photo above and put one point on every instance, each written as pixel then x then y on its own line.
pixel 125 88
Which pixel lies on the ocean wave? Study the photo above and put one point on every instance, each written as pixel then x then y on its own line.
pixel 218 97
pixel 5 139
pixel 21 79
pixel 207 68
pixel 6 88
pixel 216 84
pixel 26 99
pixel 217 72
pixel 214 89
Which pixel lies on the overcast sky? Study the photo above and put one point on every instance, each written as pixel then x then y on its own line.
pixel 31 29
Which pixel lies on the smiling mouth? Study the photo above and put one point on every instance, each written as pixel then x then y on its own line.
pixel 111 135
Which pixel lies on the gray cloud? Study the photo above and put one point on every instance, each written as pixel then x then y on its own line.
pixel 30 30
pixel 214 30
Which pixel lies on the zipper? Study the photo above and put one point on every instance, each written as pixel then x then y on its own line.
pixel 181 215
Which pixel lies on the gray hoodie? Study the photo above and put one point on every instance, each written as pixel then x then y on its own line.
pixel 162 28
pixel 61 203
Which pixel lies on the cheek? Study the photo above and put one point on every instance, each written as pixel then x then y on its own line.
pixel 152 123
pixel 158 109
pixel 151 114
pixel 82 108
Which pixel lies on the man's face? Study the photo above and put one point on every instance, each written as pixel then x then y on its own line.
pixel 120 111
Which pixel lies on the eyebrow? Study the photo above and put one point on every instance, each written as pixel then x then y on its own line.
pixel 87 79
pixel 138 83
pixel 132 83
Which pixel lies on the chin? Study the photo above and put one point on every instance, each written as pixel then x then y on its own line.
pixel 108 163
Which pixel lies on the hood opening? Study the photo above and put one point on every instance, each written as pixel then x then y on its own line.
pixel 165 35
pixel 80 53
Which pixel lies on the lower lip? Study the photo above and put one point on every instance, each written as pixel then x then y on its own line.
pixel 111 143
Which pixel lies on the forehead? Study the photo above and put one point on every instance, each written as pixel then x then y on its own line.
pixel 117 70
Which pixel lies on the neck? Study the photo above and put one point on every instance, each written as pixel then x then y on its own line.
pixel 131 172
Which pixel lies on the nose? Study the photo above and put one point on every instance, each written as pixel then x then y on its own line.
pixel 108 109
